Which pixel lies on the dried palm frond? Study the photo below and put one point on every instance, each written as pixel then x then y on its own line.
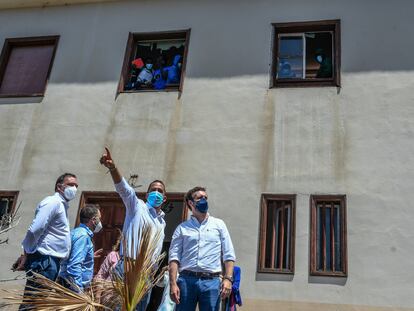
pixel 49 295
pixel 125 290
pixel 139 272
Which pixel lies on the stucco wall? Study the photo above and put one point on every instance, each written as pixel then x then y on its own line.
pixel 229 132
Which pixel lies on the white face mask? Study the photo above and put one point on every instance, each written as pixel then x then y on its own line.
pixel 98 227
pixel 70 192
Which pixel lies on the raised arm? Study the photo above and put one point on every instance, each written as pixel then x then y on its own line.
pixel 107 161
pixel 124 190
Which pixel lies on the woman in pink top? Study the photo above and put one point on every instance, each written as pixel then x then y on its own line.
pixel 110 261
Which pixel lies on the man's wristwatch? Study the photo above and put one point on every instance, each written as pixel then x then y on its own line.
pixel 230 278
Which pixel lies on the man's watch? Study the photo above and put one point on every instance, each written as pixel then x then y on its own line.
pixel 230 278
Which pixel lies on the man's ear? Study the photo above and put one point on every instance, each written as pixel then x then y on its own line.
pixel 59 187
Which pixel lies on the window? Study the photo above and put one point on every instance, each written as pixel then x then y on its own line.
pixel 25 66
pixel 306 54
pixel 277 234
pixel 328 235
pixel 7 206
pixel 154 61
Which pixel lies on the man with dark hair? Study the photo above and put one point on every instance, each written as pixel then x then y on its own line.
pixel 76 272
pixel 137 214
pixel 198 248
pixel 47 240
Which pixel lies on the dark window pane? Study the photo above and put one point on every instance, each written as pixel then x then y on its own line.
pixel 4 207
pixel 337 227
pixel 269 240
pixel 278 239
pixel 27 69
pixel 156 64
pixel 319 60
pixel 328 239
pixel 290 62
pixel 319 237
pixel 287 238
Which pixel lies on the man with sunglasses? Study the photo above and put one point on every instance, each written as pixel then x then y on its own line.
pixel 198 248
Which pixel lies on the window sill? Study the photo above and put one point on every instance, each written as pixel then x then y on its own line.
pixel 304 83
pixel 149 91
pixel 329 274
pixel 273 271
pixel 23 99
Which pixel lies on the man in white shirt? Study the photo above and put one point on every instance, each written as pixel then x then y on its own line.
pixel 198 248
pixel 138 213
pixel 47 240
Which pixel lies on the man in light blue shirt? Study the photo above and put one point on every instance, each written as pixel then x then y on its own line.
pixel 137 214
pixel 47 240
pixel 76 271
pixel 198 247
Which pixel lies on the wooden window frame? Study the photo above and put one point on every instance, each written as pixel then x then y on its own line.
pixel 7 194
pixel 265 198
pixel 301 27
pixel 10 43
pixel 133 39
pixel 341 199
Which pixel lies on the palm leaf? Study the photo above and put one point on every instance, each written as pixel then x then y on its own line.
pixel 126 290
pixel 139 272
pixel 51 296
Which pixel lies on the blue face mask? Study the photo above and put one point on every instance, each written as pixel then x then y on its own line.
pixel 319 58
pixel 155 198
pixel 202 206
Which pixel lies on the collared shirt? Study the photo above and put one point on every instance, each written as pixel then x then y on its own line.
pixel 78 268
pixel 200 247
pixel 138 213
pixel 49 233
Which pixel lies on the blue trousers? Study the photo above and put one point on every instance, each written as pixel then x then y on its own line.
pixel 142 305
pixel 204 291
pixel 48 266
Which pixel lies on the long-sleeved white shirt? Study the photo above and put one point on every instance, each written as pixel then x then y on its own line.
pixel 49 233
pixel 200 247
pixel 138 213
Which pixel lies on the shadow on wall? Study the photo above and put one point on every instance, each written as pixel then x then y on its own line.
pixel 274 277
pixel 327 280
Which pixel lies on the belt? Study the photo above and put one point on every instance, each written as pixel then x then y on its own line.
pixel 201 275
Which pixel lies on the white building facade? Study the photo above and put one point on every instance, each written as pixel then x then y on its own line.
pixel 257 140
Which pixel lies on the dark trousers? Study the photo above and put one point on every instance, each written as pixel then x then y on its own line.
pixel 46 265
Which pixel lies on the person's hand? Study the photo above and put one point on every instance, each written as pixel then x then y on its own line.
pixel 20 263
pixel 98 253
pixel 175 293
pixel 106 159
pixel 225 288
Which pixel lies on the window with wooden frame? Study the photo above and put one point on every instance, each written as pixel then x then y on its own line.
pixel 306 54
pixel 8 201
pixel 154 61
pixel 277 234
pixel 328 250
pixel 25 66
